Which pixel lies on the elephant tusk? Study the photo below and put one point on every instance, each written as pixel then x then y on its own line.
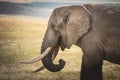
pixel 39 69
pixel 39 57
pixel 42 67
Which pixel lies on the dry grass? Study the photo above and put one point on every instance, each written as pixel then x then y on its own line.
pixel 20 39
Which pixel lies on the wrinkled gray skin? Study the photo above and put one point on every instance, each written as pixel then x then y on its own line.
pixel 98 35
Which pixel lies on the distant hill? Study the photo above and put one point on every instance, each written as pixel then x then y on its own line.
pixel 42 9
pixel 9 8
pixel 36 9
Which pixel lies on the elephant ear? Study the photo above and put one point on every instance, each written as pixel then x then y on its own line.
pixel 77 24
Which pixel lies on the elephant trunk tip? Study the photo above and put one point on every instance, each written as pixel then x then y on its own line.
pixel 58 67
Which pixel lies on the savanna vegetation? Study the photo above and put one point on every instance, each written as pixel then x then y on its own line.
pixel 21 38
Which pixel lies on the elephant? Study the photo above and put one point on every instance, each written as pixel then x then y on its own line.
pixel 95 28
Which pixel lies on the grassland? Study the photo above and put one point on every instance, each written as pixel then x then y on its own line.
pixel 21 38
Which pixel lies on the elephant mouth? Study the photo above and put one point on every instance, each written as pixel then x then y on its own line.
pixel 62 44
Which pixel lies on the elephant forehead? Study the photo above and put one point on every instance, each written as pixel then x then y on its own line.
pixel 55 20
pixel 62 10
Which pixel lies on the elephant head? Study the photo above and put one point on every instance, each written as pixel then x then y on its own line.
pixel 65 27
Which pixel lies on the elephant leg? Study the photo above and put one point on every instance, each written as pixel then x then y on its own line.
pixel 91 66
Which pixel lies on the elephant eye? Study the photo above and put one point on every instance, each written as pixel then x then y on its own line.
pixel 53 25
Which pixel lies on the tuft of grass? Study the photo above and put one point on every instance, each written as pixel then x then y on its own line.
pixel 21 38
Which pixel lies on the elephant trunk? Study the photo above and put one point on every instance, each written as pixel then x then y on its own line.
pixel 47 61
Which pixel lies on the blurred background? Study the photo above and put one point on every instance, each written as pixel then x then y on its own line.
pixel 22 27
